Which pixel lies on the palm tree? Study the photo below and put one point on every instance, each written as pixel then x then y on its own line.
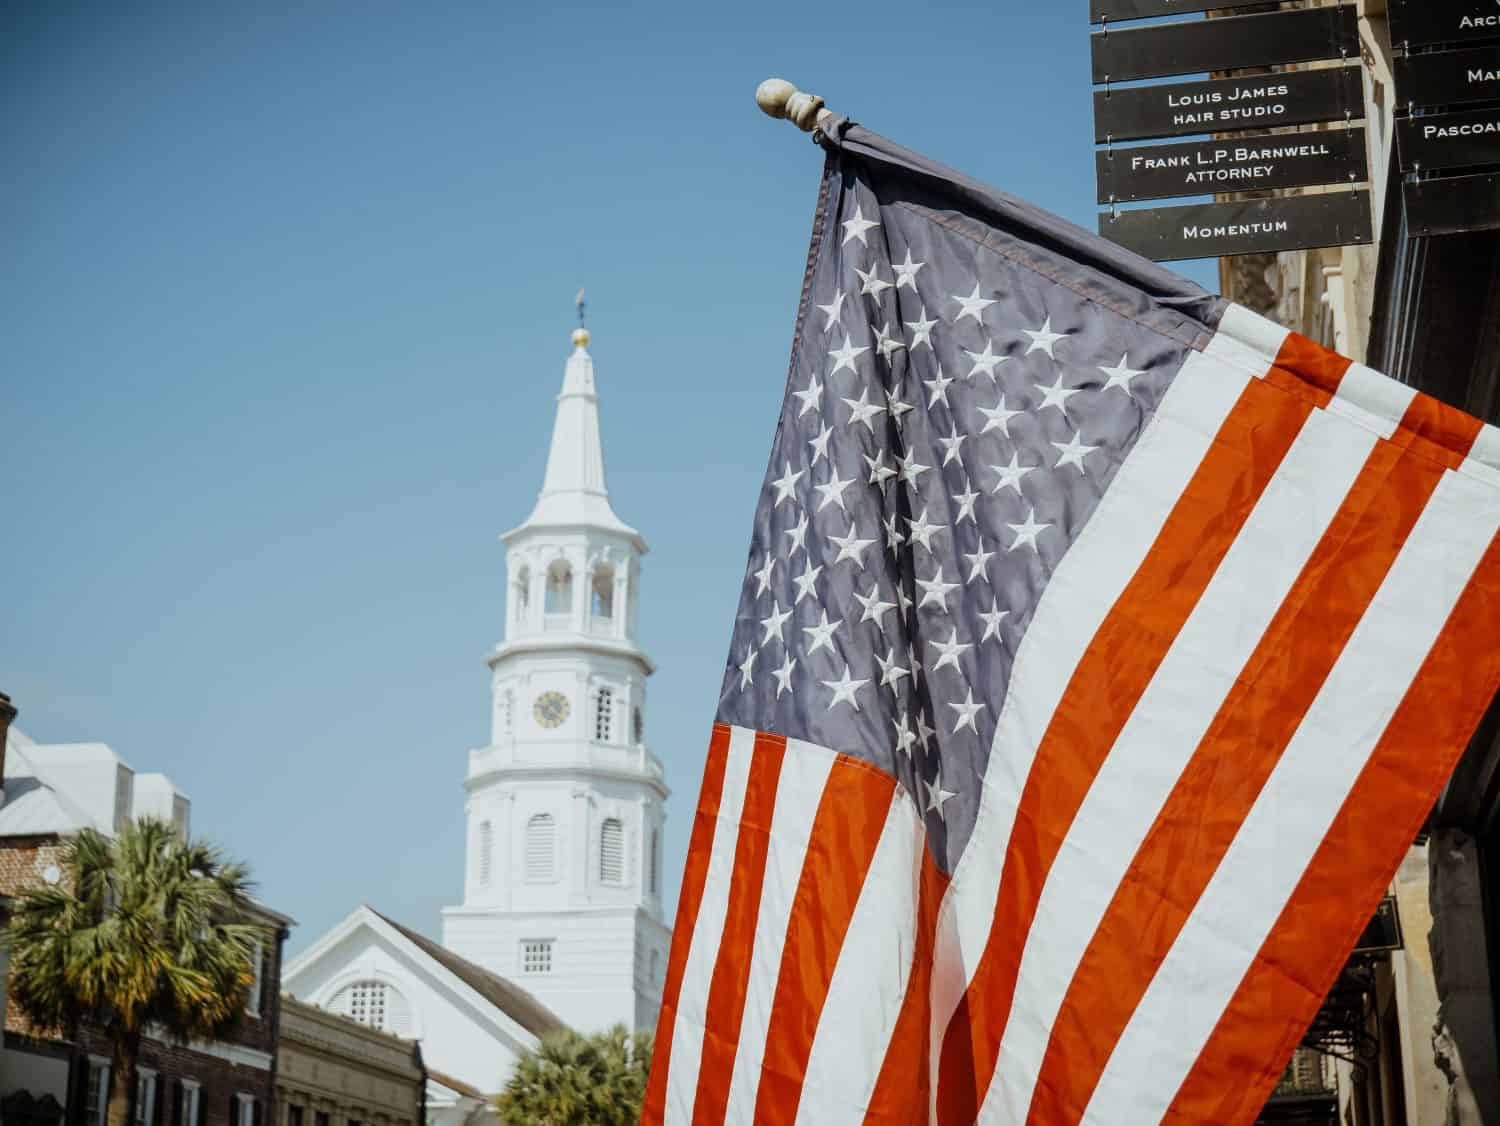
pixel 573 1080
pixel 143 929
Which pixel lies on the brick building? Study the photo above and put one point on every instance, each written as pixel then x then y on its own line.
pixel 52 792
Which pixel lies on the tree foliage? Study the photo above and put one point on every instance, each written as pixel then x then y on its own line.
pixel 573 1080
pixel 143 929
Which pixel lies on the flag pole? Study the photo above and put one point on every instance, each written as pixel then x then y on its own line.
pixel 780 99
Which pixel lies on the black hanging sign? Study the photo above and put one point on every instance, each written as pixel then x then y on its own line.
pixel 1452 205
pixel 1465 139
pixel 1449 77
pixel 1190 46
pixel 1297 97
pixel 1250 163
pixel 1383 932
pixel 1111 10
pixel 1249 226
pixel 1421 23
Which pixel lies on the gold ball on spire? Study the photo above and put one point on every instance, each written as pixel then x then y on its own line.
pixel 580 337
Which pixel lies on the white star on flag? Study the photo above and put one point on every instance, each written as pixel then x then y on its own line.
pixel 1010 475
pixel 951 650
pixel 1073 451
pixel 786 483
pixel 775 623
pixel 844 689
pixel 997 417
pixel 820 636
pixel 846 356
pixel 832 309
pixel 797 533
pixel 906 272
pixel 874 609
pixel 937 389
pixel 1026 533
pixel 862 410
pixel 937 797
pixel 850 546
pixel 984 362
pixel 870 283
pixel 921 329
pixel 891 670
pixel 783 675
pixel 1121 375
pixel 1056 396
pixel 810 396
pixel 966 713
pixel 857 227
pixel 935 589
pixel 833 490
pixel 973 305
pixel 807 582
pixel 1044 339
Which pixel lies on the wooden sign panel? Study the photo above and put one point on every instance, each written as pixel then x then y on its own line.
pixel 1453 205
pixel 1465 139
pixel 1448 78
pixel 1288 160
pixel 1226 44
pixel 1224 105
pixel 1422 23
pixel 1111 10
pixel 1251 226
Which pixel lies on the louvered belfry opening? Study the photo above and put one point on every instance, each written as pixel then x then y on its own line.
pixel 541 832
pixel 612 851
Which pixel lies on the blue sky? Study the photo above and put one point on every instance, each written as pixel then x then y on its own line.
pixel 286 299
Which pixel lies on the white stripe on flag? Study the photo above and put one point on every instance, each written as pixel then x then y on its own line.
pixel 1248 340
pixel 1294 810
pixel 1088 580
pixel 1157 741
pixel 869 979
pixel 799 791
pixel 703 954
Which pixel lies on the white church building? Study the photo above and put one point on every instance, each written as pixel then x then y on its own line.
pixel 561 919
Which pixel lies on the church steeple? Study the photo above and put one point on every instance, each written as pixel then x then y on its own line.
pixel 574 491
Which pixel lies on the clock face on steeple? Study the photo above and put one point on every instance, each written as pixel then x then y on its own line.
pixel 550 709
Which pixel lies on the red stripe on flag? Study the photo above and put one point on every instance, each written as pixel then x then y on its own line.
pixel 902 1090
pixel 1305 366
pixel 1434 429
pixel 1196 826
pixel 1306 949
pixel 726 991
pixel 1103 691
pixel 848 825
pixel 694 877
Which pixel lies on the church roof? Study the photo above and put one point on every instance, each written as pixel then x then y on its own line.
pixel 511 999
pixel 574 491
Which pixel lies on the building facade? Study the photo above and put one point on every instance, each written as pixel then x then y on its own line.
pixel 1410 1032
pixel 332 1070
pixel 52 792
pixel 566 804
pixel 472 1024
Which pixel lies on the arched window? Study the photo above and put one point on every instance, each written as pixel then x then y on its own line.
pixel 520 598
pixel 655 846
pixel 612 851
pixel 602 594
pixel 541 832
pixel 375 1003
pixel 486 848
pixel 638 725
pixel 604 709
pixel 559 588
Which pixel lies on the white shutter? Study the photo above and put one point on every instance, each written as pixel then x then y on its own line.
pixel 539 847
pixel 612 851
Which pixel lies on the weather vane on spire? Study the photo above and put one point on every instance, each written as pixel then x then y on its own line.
pixel 581 333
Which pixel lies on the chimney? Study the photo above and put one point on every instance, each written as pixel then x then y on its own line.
pixel 7 713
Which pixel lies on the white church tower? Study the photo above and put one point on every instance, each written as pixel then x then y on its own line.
pixel 563 872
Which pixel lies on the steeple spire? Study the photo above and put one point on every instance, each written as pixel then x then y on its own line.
pixel 574 490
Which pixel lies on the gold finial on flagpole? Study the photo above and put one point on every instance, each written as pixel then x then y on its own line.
pixel 779 98
pixel 580 334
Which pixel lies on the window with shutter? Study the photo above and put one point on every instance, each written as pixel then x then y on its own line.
pixel 540 847
pixel 612 851
pixel 375 1003
pixel 604 707
pixel 257 970
pixel 486 845
pixel 96 1097
pixel 145 1098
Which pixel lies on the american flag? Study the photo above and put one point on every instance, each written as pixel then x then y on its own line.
pixel 1102 648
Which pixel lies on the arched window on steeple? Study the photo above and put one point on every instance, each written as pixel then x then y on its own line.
pixel 559 592
pixel 604 709
pixel 602 597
